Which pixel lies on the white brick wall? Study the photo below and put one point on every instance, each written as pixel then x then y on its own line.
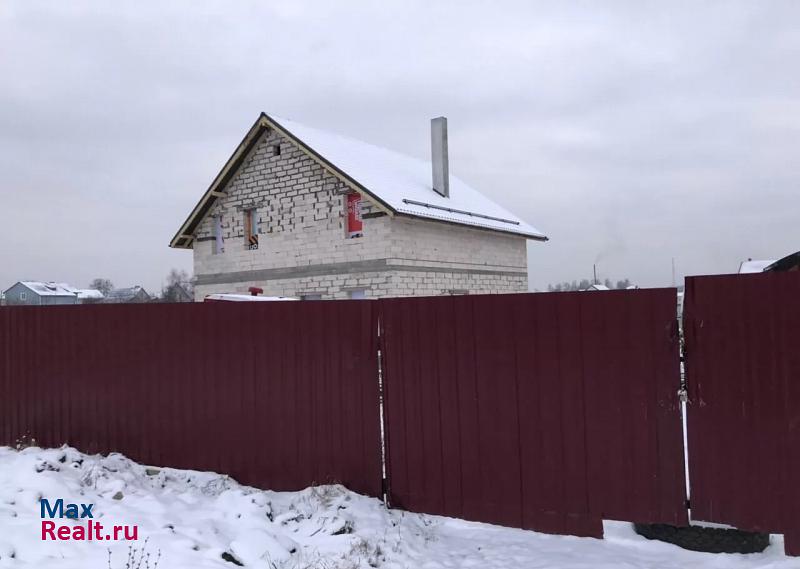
pixel 301 211
pixel 329 287
pixel 431 243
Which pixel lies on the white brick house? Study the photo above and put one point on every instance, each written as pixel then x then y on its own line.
pixel 276 217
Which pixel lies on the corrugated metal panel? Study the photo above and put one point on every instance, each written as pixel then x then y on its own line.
pixel 279 395
pixel 743 369
pixel 541 411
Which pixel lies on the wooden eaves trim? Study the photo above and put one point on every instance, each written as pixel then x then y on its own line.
pixel 184 237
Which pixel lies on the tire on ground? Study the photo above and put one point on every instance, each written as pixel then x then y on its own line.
pixel 706 539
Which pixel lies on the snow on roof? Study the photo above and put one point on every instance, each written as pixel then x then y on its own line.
pixel 751 266
pixel 598 287
pixel 49 288
pixel 399 183
pixel 233 297
pixel 88 293
pixel 404 183
pixel 61 289
pixel 129 292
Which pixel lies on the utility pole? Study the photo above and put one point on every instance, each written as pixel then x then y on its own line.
pixel 673 271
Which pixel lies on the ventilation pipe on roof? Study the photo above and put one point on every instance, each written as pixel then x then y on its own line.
pixel 441 169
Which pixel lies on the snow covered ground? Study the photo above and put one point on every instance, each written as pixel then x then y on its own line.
pixel 194 519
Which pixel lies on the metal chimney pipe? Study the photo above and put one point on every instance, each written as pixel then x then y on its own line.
pixel 441 168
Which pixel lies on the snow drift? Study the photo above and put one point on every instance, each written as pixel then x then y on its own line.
pixel 189 519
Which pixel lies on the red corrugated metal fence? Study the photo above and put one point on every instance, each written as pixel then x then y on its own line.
pixel 278 394
pixel 541 411
pixel 743 370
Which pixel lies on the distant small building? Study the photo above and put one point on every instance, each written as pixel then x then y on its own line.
pixel 85 295
pixel 598 287
pixel 788 263
pixel 89 296
pixel 37 293
pixel 131 295
pixel 757 266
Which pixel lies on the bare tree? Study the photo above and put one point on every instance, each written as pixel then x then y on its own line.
pixel 103 285
pixel 586 283
pixel 179 287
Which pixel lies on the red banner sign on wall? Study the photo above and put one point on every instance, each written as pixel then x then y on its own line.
pixel 354 223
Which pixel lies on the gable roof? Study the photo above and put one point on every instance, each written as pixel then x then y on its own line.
pixel 398 184
pixel 790 262
pixel 787 263
pixel 123 294
pixel 49 288
pixel 61 289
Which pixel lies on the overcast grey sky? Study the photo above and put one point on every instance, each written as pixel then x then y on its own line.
pixel 629 132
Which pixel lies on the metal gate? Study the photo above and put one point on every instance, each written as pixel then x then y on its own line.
pixel 743 371
pixel 543 411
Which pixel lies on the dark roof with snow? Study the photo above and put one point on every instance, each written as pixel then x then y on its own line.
pixel 126 294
